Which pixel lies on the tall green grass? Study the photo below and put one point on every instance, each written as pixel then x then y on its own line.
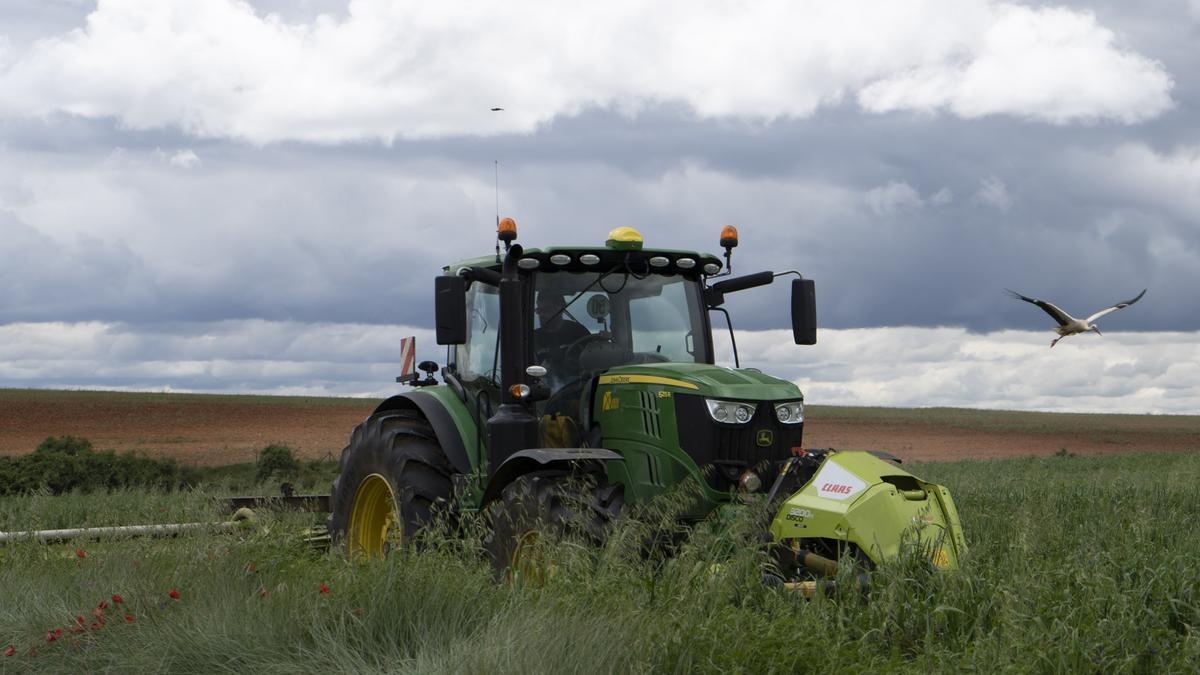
pixel 1076 564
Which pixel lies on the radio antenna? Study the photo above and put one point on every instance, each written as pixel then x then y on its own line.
pixel 497 165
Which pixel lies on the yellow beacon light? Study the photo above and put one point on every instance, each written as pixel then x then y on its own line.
pixel 729 237
pixel 624 239
pixel 506 230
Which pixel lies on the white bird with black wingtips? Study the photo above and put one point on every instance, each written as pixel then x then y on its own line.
pixel 1069 325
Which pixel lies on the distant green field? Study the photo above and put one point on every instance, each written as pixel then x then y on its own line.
pixel 1076 565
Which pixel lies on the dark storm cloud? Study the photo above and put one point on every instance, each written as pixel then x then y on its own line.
pixel 354 234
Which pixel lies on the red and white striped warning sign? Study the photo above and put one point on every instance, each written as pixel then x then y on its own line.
pixel 408 358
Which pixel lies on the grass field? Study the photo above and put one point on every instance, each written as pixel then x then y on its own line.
pixel 1077 564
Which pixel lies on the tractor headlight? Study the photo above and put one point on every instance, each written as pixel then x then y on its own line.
pixel 791 412
pixel 730 412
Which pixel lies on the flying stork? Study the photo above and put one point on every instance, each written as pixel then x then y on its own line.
pixel 1069 325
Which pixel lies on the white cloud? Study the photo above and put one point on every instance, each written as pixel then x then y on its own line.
pixel 1046 63
pixel 942 197
pixel 252 356
pixel 185 159
pixel 388 70
pixel 892 198
pixel 909 367
pixel 1012 370
pixel 993 192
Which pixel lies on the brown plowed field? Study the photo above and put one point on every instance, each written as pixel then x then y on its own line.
pixel 212 429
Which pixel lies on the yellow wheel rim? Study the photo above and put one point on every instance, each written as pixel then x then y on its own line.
pixel 530 562
pixel 374 526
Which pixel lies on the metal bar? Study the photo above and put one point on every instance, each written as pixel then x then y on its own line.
pixel 315 503
pixel 167 530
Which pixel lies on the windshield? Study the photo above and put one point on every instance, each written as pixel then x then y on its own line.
pixel 586 321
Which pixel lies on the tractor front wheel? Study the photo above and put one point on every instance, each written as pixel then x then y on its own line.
pixel 394 479
pixel 554 503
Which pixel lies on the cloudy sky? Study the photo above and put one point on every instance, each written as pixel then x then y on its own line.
pixel 253 196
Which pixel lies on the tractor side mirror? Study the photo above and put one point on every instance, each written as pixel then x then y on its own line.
pixel 450 309
pixel 804 312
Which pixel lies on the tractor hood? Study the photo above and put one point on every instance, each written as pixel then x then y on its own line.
pixel 708 380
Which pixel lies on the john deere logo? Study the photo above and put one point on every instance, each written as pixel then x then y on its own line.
pixel 764 438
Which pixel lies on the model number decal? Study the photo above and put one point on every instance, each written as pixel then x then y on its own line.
pixel 799 514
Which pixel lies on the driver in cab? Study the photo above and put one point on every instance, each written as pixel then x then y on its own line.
pixel 555 332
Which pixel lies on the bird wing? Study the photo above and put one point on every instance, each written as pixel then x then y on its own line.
pixel 1060 316
pixel 1119 305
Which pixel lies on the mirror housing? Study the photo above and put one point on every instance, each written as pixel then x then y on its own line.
pixel 804 312
pixel 715 296
pixel 450 309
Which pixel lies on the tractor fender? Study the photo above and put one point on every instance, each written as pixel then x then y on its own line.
pixel 434 411
pixel 536 459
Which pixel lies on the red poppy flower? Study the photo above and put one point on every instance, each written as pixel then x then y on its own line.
pixel 79 553
pixel 174 594
pixel 102 606
pixel 80 620
pixel 10 651
pixel 128 618
pixel 58 632
pixel 117 598
pixel 96 625
pixel 50 636
pixel 99 614
pixel 322 588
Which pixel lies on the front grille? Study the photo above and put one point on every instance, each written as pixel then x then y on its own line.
pixel 724 451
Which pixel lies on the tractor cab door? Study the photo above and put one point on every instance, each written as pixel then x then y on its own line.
pixel 569 322
pixel 477 360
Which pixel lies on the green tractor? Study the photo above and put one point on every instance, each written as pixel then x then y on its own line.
pixel 609 398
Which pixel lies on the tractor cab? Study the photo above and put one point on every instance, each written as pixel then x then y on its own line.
pixel 582 311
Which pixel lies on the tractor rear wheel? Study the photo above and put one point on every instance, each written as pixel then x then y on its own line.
pixel 557 503
pixel 393 480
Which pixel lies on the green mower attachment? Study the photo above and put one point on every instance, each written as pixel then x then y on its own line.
pixel 860 505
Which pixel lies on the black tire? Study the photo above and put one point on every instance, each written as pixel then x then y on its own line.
pixel 400 446
pixel 558 503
